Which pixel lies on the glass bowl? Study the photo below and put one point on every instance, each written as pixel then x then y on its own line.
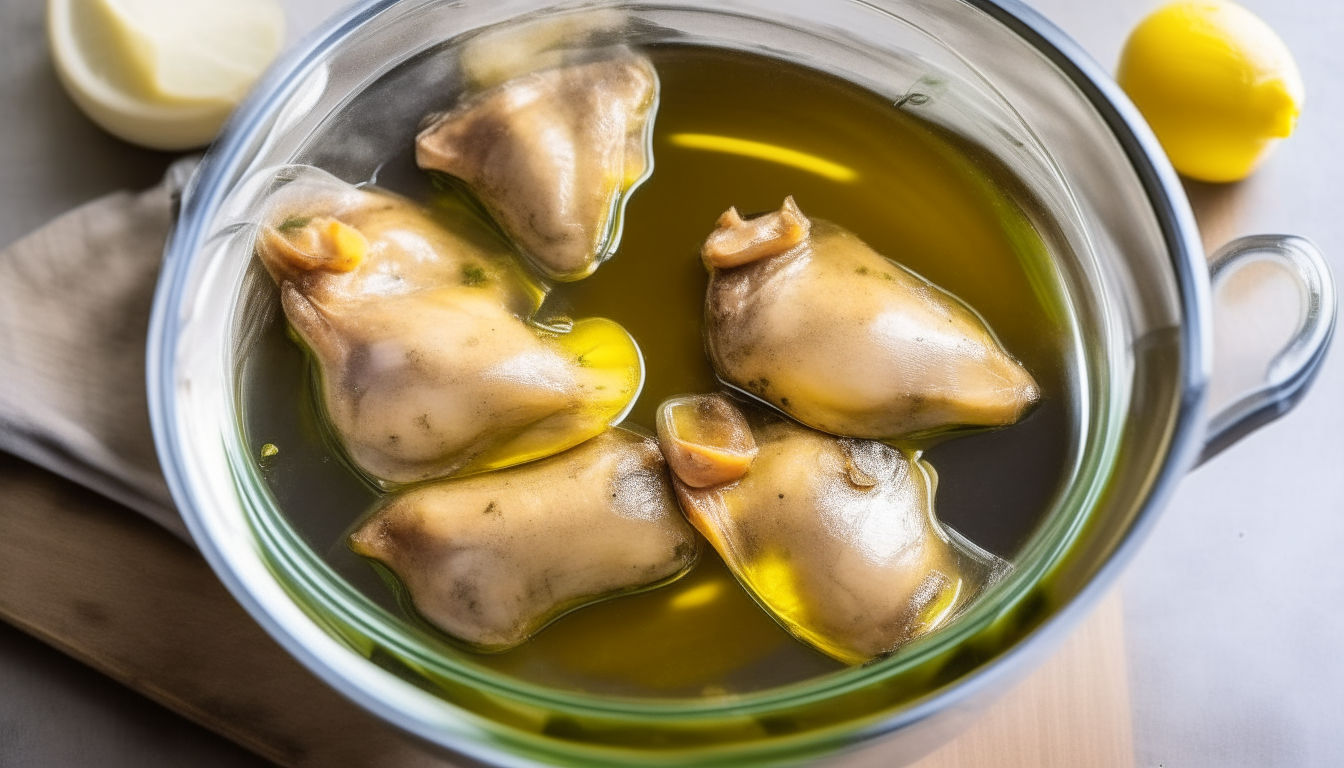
pixel 1126 262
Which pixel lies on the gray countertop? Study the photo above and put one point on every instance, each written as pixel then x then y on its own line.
pixel 1232 608
pixel 54 711
pixel 1233 617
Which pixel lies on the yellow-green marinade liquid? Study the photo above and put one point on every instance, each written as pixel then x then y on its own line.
pixel 740 129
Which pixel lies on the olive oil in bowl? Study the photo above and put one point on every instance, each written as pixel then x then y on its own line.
pixel 737 129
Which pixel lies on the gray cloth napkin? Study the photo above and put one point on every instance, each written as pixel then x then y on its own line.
pixel 74 311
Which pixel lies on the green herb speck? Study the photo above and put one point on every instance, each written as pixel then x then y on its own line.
pixel 473 275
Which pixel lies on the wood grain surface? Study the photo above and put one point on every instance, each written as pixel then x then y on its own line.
pixel 120 594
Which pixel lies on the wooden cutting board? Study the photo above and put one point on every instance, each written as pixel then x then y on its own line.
pixel 113 590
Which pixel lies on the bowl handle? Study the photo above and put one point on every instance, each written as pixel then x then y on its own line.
pixel 1289 373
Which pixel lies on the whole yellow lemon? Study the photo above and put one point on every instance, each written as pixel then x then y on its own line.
pixel 1218 87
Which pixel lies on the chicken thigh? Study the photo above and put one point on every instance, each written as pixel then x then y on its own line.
pixel 428 364
pixel 805 316
pixel 491 559
pixel 553 156
pixel 835 537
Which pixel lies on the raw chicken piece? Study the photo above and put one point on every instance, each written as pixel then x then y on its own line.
pixel 837 539
pixel 428 365
pixel 805 316
pixel 445 382
pixel 492 559
pixel 553 156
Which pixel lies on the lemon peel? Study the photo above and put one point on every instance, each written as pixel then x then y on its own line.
pixel 1217 85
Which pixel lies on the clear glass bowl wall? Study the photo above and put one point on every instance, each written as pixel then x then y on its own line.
pixel 986 83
